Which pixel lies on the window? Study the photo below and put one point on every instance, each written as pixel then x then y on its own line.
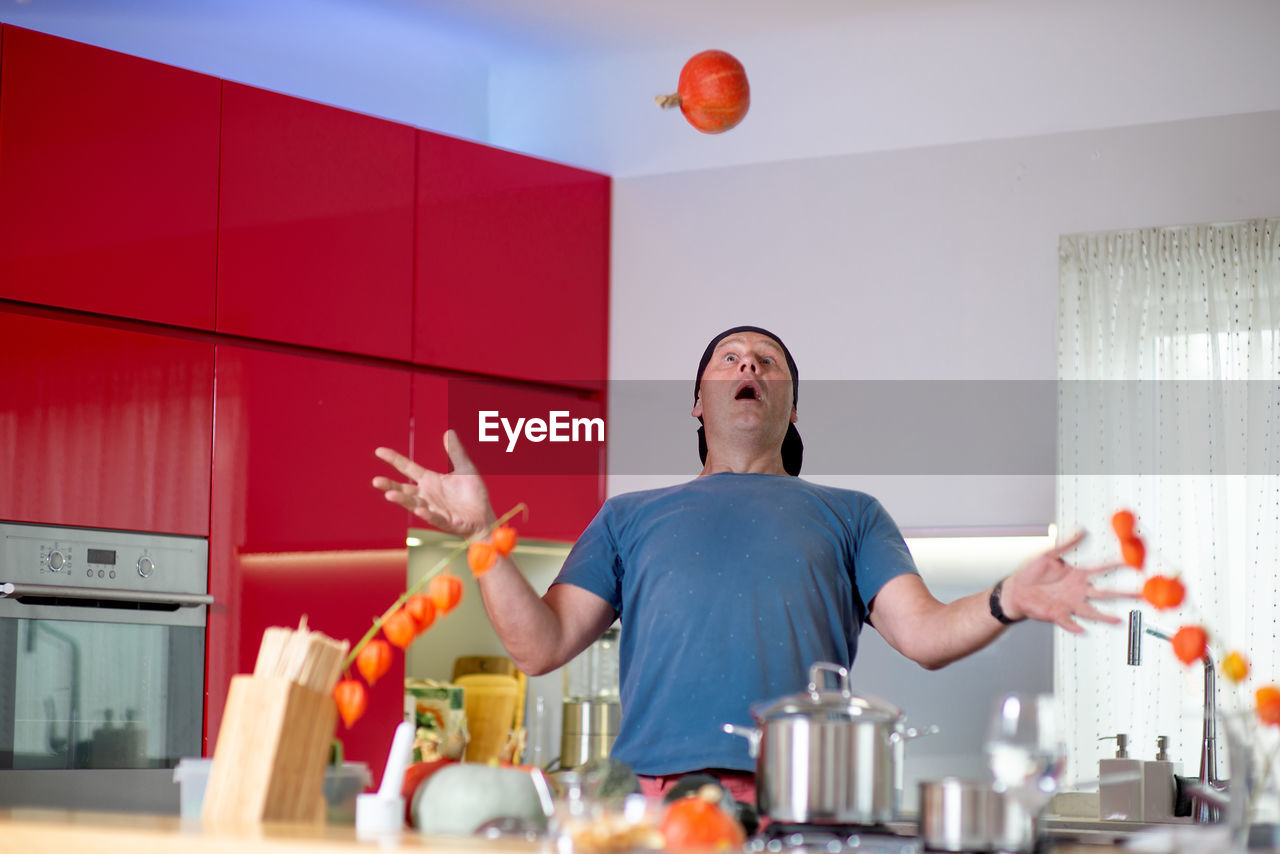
pixel 1169 369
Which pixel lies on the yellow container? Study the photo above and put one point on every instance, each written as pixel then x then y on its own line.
pixel 491 700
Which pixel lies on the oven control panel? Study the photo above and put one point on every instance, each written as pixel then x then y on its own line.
pixel 96 558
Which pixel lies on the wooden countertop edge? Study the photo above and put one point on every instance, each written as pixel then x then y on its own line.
pixel 34 831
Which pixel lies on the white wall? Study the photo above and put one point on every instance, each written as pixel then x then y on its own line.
pixel 831 78
pixel 574 80
pixel 932 263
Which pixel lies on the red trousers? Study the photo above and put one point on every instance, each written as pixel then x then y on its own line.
pixel 741 785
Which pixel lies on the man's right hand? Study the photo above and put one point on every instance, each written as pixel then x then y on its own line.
pixel 456 502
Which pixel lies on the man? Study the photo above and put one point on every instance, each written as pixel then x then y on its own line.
pixel 731 585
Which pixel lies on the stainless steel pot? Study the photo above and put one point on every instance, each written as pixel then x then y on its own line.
pixel 827 756
pixel 968 815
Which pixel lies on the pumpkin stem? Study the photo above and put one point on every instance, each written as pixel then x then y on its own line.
pixel 711 793
pixel 668 101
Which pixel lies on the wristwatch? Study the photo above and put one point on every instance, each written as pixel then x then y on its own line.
pixel 996 610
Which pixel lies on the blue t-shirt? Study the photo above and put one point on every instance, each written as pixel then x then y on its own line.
pixel 728 587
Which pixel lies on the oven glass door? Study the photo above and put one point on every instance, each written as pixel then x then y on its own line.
pixel 83 694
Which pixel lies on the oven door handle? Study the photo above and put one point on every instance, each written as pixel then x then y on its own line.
pixel 9 589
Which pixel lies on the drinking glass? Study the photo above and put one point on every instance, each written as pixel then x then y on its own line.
pixel 1026 749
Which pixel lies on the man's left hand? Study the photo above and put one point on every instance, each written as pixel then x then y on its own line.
pixel 1049 589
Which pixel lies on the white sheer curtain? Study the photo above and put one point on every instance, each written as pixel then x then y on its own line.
pixel 1184 316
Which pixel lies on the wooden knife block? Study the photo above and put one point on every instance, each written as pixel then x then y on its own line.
pixel 271 754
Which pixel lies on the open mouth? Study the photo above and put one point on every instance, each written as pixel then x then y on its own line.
pixel 747 391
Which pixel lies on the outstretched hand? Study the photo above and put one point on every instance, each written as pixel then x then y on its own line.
pixel 456 502
pixel 1049 589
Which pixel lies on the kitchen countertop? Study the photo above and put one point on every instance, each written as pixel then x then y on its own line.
pixel 43 831
pixel 46 831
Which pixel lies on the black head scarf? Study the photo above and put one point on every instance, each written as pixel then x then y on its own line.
pixel 792 447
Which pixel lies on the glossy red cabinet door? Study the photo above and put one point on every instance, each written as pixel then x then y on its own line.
pixel 104 427
pixel 315 225
pixel 562 483
pixel 297 529
pixel 512 274
pixel 108 181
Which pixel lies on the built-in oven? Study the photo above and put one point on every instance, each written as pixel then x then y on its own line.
pixel 102 637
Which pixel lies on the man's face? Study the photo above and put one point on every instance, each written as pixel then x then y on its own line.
pixel 746 386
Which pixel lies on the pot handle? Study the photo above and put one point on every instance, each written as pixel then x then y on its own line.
pixel 911 732
pixel 750 733
pixel 819 667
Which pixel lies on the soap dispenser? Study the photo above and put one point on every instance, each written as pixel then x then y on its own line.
pixel 1159 789
pixel 1120 783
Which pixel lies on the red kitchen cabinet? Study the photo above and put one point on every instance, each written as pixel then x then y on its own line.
pixel 512 270
pixel 315 225
pixel 561 482
pixel 108 181
pixel 103 427
pixel 297 528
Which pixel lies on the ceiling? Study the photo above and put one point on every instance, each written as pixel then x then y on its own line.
pixel 574 80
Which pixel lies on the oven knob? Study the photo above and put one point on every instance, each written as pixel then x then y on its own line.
pixel 56 561
pixel 145 566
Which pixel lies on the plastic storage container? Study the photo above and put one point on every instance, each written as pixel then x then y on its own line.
pixel 342 783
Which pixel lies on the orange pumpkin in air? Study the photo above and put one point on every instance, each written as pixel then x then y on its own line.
pixel 712 92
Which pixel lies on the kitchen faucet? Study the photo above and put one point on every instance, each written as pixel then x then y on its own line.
pixel 73 713
pixel 1209 782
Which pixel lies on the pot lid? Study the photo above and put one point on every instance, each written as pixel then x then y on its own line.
pixel 815 701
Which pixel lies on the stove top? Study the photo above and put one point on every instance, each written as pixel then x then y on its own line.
pixel 873 839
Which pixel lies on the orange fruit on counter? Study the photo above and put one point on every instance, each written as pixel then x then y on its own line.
pixel 444 591
pixel 1235 666
pixel 400 628
pixel 422 609
pixel 504 539
pixel 352 699
pixel 1123 523
pixel 1268 700
pixel 374 660
pixel 1134 552
pixel 481 557
pixel 698 822
pixel 1164 592
pixel 1190 644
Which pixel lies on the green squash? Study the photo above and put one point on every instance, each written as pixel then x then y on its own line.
pixel 458 799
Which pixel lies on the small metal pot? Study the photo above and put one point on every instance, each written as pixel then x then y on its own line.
pixel 969 815
pixel 827 756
